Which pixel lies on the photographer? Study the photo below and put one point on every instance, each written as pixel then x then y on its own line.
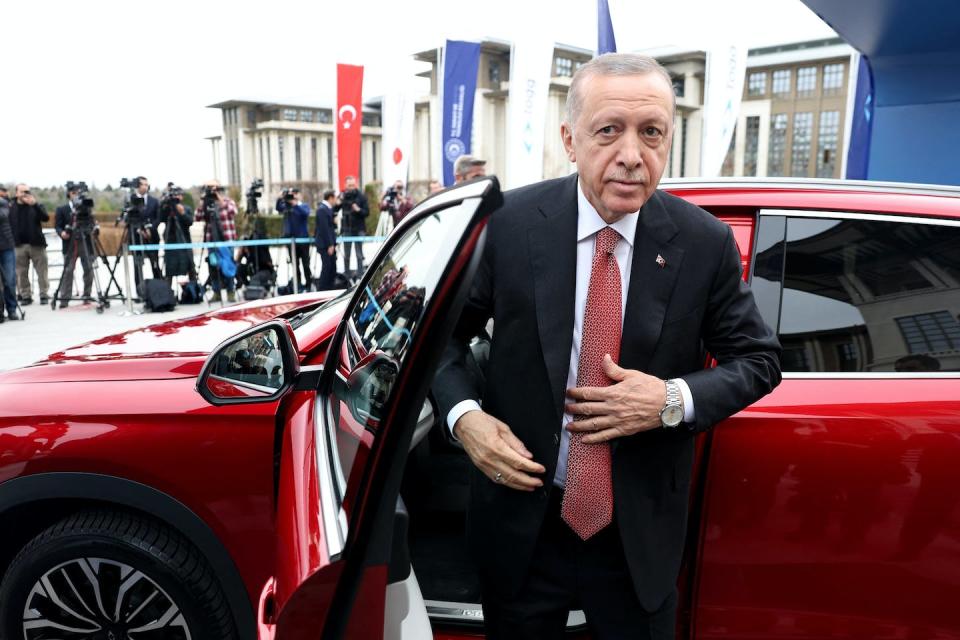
pixel 219 213
pixel 26 219
pixel 177 218
pixel 397 205
pixel 296 215
pixel 353 222
pixel 142 216
pixel 8 260
pixel 65 223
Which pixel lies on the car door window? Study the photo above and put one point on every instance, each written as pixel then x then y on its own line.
pixel 862 293
pixel 381 328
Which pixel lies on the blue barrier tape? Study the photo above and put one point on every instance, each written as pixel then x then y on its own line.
pixel 278 242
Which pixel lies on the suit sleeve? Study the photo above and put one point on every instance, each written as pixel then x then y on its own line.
pixel 61 220
pixel 746 349
pixel 456 380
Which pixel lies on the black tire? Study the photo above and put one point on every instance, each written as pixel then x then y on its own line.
pixel 73 572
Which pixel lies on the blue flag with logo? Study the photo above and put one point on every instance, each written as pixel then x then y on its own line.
pixel 858 155
pixel 460 63
pixel 606 43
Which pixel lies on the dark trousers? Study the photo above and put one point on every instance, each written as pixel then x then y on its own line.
pixel 347 246
pixel 302 259
pixel 328 269
pixel 73 251
pixel 567 573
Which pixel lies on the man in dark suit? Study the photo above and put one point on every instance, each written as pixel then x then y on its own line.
pixel 325 236
pixel 606 296
pixel 147 233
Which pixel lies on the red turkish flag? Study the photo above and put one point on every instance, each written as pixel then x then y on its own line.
pixel 349 120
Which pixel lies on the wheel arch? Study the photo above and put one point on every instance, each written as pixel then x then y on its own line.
pixel 37 501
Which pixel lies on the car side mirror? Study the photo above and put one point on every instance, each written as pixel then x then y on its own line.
pixel 258 365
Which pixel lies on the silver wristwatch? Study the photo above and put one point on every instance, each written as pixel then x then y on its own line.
pixel 672 413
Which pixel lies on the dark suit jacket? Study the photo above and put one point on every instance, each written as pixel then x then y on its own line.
pixel 325 232
pixel 674 315
pixel 62 218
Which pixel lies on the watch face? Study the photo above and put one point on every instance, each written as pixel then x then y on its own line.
pixel 672 415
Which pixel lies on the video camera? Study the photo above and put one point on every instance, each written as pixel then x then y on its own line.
pixel 82 203
pixel 132 212
pixel 289 194
pixel 210 195
pixel 255 188
pixel 171 198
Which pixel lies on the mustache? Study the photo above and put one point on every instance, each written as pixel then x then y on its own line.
pixel 623 175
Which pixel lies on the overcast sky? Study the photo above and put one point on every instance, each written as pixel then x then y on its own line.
pixel 107 89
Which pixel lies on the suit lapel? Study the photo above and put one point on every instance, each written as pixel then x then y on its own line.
pixel 651 283
pixel 553 262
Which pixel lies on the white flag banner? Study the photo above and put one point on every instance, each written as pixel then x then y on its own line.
pixel 726 66
pixel 530 65
pixel 397 146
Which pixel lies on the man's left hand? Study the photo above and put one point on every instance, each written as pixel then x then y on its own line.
pixel 630 405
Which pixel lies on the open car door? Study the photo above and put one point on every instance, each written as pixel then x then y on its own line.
pixel 342 565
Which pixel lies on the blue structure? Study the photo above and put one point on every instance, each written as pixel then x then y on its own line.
pixel 913 49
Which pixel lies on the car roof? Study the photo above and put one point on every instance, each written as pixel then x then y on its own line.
pixel 819 194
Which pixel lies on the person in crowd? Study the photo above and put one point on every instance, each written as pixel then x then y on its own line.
pixel 8 260
pixel 149 234
pixel 177 220
pixel 325 237
pixel 468 167
pixel 220 227
pixel 65 224
pixel 296 218
pixel 355 209
pixel 26 218
pixel 397 205
pixel 595 384
pixel 435 186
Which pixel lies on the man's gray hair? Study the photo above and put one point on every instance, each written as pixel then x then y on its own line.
pixel 612 64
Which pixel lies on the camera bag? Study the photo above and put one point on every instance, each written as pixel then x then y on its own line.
pixel 191 293
pixel 158 296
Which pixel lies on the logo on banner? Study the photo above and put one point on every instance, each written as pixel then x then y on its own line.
pixel 454 149
pixel 345 110
pixel 397 156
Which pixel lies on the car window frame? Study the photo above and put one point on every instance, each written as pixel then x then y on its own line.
pixel 830 214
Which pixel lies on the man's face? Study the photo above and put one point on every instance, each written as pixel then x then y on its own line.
pixel 621 140
pixel 398 186
pixel 143 187
pixel 22 190
pixel 72 194
pixel 435 186
pixel 350 184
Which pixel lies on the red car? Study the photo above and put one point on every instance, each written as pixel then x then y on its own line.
pixel 294 481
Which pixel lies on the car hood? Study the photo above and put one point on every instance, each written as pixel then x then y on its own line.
pixel 174 349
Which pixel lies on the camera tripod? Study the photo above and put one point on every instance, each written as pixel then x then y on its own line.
pixel 82 241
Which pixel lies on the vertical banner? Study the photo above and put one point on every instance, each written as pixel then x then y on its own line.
pixel 349 120
pixel 858 153
pixel 726 67
pixel 530 65
pixel 606 42
pixel 397 118
pixel 460 63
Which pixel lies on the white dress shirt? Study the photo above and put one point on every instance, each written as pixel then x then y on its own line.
pixel 589 223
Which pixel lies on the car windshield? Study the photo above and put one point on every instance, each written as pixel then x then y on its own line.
pixel 305 316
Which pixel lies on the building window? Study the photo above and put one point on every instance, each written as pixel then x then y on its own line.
pixel 325 116
pixel 832 79
pixel 806 81
pixel 263 163
pixel 371 120
pixel 757 84
pixel 751 146
pixel 315 159
pixel 925 332
pixel 679 85
pixel 296 159
pixel 827 143
pixel 683 146
pixel 493 73
pixel 855 294
pixel 563 67
pixel 280 155
pixel 290 115
pixel 778 144
pixel 306 115
pixel 330 162
pixel 781 82
pixel 251 118
pixel 374 157
pixel 802 135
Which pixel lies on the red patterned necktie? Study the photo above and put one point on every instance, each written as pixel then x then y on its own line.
pixel 588 497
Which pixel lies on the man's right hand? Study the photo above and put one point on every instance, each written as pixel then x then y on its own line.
pixel 331 250
pixel 494 449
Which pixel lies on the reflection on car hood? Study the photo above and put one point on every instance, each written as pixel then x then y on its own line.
pixel 173 349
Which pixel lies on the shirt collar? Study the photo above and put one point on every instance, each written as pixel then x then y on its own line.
pixel 589 221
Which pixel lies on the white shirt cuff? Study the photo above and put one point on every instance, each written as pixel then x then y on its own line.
pixel 462 407
pixel 689 415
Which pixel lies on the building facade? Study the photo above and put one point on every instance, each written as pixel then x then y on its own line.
pixel 792 122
